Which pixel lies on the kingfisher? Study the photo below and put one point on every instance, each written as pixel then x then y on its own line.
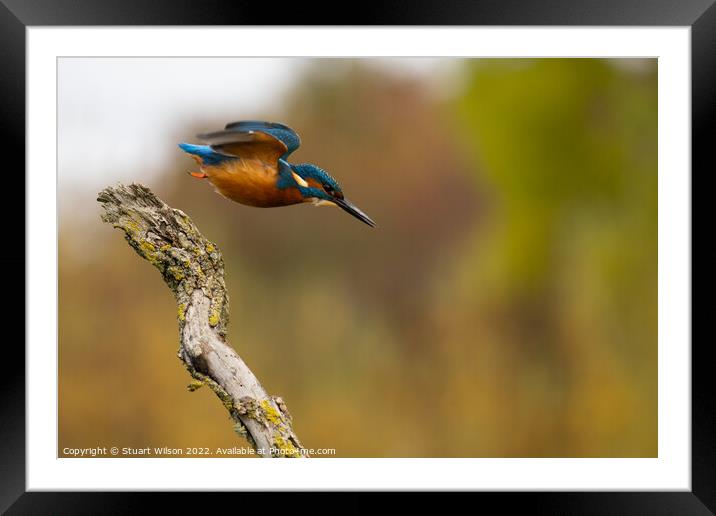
pixel 247 163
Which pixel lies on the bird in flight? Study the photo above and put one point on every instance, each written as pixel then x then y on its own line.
pixel 247 163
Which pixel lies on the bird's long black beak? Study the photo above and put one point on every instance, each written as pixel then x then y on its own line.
pixel 354 210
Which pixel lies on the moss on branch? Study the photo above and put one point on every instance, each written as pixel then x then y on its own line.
pixel 193 268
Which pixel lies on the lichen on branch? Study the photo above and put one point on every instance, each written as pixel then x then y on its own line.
pixel 169 240
pixel 193 269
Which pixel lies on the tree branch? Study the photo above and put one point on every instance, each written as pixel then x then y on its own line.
pixel 193 269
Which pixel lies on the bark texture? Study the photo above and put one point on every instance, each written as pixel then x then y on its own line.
pixel 193 269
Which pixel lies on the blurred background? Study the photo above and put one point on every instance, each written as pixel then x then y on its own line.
pixel 505 307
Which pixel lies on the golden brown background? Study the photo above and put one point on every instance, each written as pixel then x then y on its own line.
pixel 505 307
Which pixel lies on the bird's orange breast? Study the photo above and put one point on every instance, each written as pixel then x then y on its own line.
pixel 251 182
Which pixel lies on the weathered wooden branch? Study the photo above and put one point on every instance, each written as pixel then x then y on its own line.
pixel 193 269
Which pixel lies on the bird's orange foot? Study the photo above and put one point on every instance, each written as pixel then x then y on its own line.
pixel 198 175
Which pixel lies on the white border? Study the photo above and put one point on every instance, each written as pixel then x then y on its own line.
pixel 670 471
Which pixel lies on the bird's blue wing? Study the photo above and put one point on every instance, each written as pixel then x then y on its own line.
pixel 267 141
pixel 281 132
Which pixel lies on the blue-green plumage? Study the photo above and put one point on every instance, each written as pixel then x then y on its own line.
pixel 205 152
pixel 247 162
pixel 329 187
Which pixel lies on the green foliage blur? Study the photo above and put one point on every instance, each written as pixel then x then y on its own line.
pixel 505 307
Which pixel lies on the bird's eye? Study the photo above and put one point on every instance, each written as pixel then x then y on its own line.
pixel 328 189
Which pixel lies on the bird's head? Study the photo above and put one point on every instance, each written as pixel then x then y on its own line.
pixel 318 187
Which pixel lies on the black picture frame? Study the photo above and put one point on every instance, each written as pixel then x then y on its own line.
pixel 17 15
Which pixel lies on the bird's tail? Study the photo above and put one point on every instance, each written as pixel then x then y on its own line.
pixel 204 152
